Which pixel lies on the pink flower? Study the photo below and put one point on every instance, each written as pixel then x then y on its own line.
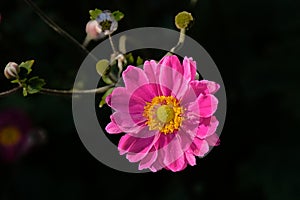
pixel 93 30
pixel 166 114
pixel 15 127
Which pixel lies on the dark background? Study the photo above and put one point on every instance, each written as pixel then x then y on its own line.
pixel 255 46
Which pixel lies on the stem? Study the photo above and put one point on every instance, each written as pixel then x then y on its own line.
pixel 11 91
pixel 55 27
pixel 112 45
pixel 71 92
pixel 180 41
pixel 59 92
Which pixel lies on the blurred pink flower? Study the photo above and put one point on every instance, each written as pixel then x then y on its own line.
pixel 16 135
pixel 166 114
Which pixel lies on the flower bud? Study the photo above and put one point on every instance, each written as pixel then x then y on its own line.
pixel 11 70
pixel 93 30
pixel 183 20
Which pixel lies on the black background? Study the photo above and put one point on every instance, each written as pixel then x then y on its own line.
pixel 255 46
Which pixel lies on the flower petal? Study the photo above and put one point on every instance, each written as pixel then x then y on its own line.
pixel 112 127
pixel 213 140
pixel 207 127
pixel 149 159
pixel 189 66
pixel 190 158
pixel 146 92
pixel 151 69
pixel 199 147
pixel 212 87
pixel 187 133
pixel 173 62
pixel 207 105
pixel 128 123
pixel 134 78
pixel 204 87
pixel 174 81
pixel 178 165
pixel 120 99
pixel 136 145
pixel 172 151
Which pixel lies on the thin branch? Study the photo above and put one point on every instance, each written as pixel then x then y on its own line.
pixel 11 91
pixel 71 92
pixel 55 27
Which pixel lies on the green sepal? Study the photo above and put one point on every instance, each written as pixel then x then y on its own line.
pixel 25 93
pixel 139 61
pixel 197 76
pixel 129 58
pixel 15 81
pixel 108 92
pixel 94 13
pixel 107 80
pixel 118 15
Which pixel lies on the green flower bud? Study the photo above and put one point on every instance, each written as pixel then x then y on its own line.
pixel 183 20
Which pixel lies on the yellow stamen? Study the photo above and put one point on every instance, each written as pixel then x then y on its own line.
pixel 163 113
pixel 9 136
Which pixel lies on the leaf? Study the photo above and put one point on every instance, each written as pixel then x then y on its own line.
pixel 94 13
pixel 108 92
pixel 118 15
pixel 102 67
pixel 27 65
pixel 139 61
pixel 35 84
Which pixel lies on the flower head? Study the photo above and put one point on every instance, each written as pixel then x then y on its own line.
pixel 14 133
pixel 166 114
pixel 107 22
pixel 104 24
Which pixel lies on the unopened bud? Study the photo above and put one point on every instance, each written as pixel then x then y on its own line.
pixel 11 70
pixel 183 20
pixel 92 29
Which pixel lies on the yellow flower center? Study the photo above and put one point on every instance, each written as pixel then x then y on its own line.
pixel 163 113
pixel 9 136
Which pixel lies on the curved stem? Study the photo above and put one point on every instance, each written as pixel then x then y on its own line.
pixel 112 45
pixel 55 27
pixel 71 92
pixel 11 91
pixel 180 41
